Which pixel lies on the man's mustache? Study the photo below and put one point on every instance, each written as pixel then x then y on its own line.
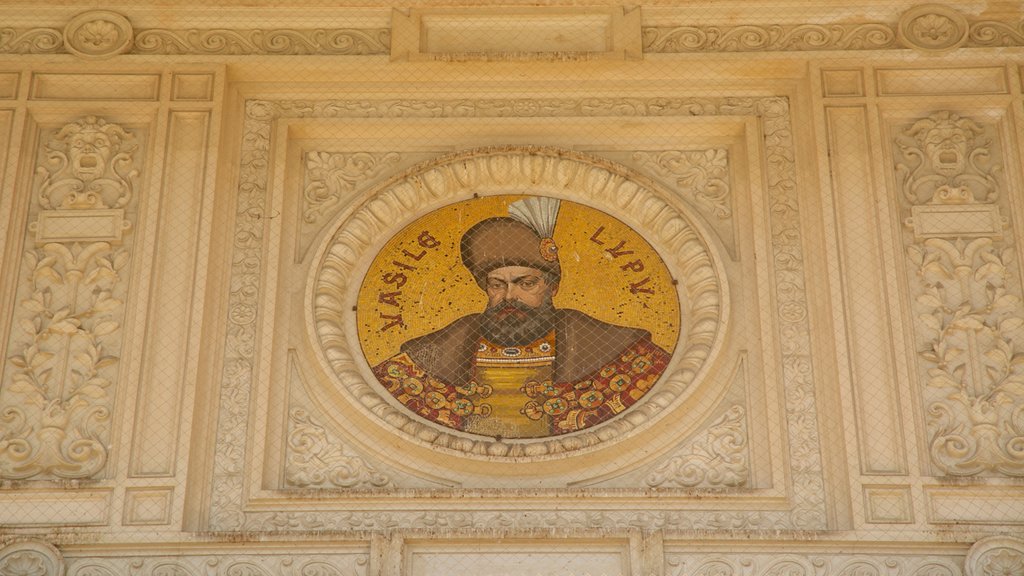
pixel 508 307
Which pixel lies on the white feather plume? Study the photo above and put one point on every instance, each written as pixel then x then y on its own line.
pixel 537 212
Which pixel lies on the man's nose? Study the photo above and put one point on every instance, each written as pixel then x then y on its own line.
pixel 513 292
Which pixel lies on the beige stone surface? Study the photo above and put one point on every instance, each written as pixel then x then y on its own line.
pixel 191 193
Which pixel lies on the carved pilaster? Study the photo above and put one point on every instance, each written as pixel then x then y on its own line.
pixel 58 386
pixel 968 311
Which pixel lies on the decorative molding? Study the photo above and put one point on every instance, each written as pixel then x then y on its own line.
pixel 811 565
pixel 270 42
pixel 969 316
pixel 314 459
pixel 31 41
pixel 771 38
pixel 719 459
pixel 703 175
pixel 228 495
pixel 57 397
pixel 331 177
pixel 31 558
pixel 927 27
pixel 351 564
pixel 494 170
pixel 995 556
pixel 98 34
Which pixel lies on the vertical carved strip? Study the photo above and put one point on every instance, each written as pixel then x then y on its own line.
pixel 63 359
pixel 162 377
pixel 968 312
pixel 872 373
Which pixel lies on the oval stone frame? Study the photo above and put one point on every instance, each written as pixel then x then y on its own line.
pixel 349 246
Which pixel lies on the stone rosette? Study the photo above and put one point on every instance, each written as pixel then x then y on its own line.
pixel 98 34
pixel 933 28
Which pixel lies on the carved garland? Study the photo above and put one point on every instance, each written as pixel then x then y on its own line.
pixel 227 506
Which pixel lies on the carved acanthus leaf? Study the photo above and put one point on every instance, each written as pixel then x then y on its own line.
pixel 718 459
pixel 702 174
pixel 331 177
pixel 315 460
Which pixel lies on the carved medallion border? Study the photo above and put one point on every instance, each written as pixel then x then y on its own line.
pixel 494 169
pixel 228 504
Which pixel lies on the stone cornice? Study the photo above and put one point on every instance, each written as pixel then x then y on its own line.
pixel 924 27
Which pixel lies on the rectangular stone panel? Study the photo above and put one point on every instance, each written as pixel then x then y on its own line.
pixel 945 81
pixel 888 505
pixel 79 226
pixel 9 85
pixel 842 83
pixel 54 507
pixel 157 413
pixel 197 87
pixel 147 506
pixel 975 505
pixel 95 87
pixel 516 33
pixel 872 371
pixel 957 221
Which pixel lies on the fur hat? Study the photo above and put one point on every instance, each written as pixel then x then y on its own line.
pixel 524 238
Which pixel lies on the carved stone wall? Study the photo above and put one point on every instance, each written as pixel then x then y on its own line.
pixel 192 196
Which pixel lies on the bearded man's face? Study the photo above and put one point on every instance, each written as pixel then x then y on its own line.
pixel 519 308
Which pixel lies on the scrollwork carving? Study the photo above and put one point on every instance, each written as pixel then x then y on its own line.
pixel 719 459
pixel 751 38
pixel 314 460
pixel 702 174
pixel 30 41
pixel 330 177
pixel 350 564
pixel 818 565
pixel 57 391
pixel 349 42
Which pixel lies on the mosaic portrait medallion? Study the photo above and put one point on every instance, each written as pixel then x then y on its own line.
pixel 518 316
pixel 519 302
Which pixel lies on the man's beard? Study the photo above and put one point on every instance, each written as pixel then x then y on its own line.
pixel 512 323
